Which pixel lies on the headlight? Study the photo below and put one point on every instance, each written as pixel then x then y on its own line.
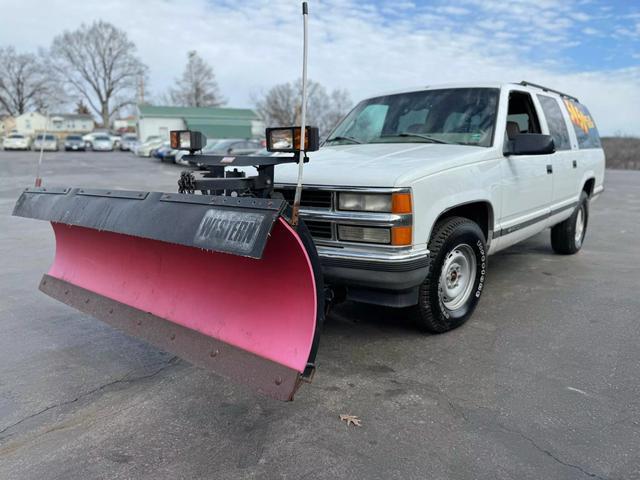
pixel 365 202
pixel 398 202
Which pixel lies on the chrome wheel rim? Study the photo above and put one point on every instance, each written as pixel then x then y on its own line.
pixel 457 276
pixel 579 226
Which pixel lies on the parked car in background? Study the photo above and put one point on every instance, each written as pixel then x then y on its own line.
pixel 128 141
pixel 116 140
pixel 16 141
pixel 102 143
pixel 163 151
pixel 150 144
pixel 45 142
pixel 233 146
pixel 90 137
pixel 178 157
pixel 74 142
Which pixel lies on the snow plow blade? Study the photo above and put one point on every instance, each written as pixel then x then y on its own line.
pixel 223 282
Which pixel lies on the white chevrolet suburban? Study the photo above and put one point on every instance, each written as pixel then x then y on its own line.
pixel 413 190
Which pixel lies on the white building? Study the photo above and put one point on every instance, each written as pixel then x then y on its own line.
pixel 30 123
pixel 215 123
pixel 71 123
pixel 57 123
pixel 7 125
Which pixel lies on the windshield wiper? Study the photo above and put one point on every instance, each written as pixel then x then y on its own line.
pixel 341 137
pixel 420 135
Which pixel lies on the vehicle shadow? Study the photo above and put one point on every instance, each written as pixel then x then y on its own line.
pixel 357 319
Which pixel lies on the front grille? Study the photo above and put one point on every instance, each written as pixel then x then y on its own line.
pixel 310 198
pixel 319 229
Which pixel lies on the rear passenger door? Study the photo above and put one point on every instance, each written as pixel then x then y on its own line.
pixel 565 160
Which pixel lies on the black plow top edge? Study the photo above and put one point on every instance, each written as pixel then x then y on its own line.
pixel 234 225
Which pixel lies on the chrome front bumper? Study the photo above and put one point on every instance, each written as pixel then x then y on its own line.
pixel 389 271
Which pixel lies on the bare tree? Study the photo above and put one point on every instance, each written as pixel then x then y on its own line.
pixel 81 108
pixel 281 105
pixel 24 83
pixel 99 63
pixel 198 86
pixel 339 105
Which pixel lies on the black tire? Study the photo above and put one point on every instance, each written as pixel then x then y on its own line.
pixel 434 312
pixel 565 237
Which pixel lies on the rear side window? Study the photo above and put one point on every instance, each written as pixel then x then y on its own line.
pixel 555 120
pixel 583 124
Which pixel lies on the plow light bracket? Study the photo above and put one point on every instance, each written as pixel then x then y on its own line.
pixel 287 139
pixel 187 140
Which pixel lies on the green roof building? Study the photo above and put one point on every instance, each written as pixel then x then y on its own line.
pixel 215 123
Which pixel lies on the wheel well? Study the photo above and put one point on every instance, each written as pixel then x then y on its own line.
pixel 478 212
pixel 588 186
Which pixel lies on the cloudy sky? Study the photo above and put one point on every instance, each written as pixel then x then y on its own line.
pixel 590 48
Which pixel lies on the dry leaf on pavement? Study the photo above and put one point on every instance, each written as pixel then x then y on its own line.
pixel 351 420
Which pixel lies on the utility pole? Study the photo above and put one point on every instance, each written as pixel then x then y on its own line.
pixel 141 91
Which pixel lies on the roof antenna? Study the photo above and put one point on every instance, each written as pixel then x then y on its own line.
pixel 38 182
pixel 303 117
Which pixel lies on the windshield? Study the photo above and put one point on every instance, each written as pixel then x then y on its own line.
pixel 16 136
pixel 102 139
pixel 74 137
pixel 464 116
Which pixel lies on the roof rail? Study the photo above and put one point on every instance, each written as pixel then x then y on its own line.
pixel 524 83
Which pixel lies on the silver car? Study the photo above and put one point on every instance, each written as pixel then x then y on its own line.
pixel 45 142
pixel 102 143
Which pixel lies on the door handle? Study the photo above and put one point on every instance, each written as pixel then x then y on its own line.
pixel 575 164
pixel 549 169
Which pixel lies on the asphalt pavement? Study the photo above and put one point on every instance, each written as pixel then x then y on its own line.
pixel 542 383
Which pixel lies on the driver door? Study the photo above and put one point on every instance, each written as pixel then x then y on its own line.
pixel 527 179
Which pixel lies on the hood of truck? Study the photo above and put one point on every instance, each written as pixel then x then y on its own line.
pixel 380 164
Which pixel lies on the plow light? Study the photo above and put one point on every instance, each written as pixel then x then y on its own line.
pixel 187 140
pixel 287 139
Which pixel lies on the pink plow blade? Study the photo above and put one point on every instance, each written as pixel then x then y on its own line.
pixel 251 320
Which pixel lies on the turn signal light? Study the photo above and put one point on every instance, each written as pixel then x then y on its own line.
pixel 401 236
pixel 401 203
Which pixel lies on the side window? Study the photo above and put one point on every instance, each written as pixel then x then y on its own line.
pixel 583 124
pixel 521 116
pixel 557 125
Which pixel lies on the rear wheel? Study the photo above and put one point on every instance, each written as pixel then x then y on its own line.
pixel 451 291
pixel 567 237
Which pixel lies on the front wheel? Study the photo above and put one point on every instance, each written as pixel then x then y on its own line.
pixel 457 273
pixel 567 237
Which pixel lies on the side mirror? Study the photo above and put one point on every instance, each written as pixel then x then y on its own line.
pixel 530 144
pixel 230 150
